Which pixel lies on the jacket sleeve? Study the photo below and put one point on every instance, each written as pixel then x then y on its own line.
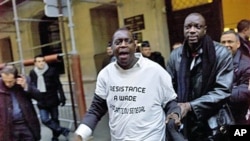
pixel 59 86
pixel 173 65
pixel 32 91
pixel 241 92
pixel 97 110
pixel 172 107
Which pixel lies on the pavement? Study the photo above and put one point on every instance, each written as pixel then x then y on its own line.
pixel 101 132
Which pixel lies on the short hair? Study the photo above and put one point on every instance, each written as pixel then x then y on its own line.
pixel 109 44
pixel 122 29
pixel 231 32
pixel 135 36
pixel 145 44
pixel 10 69
pixel 197 14
pixel 38 56
pixel 244 23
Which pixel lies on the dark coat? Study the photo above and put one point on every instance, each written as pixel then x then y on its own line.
pixel 244 46
pixel 158 58
pixel 240 98
pixel 204 105
pixel 27 108
pixel 53 87
pixel 106 60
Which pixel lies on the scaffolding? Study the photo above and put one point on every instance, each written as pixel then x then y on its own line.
pixel 22 62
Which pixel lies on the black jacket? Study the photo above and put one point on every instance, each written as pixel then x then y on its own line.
pixel 204 105
pixel 53 87
pixel 240 98
pixel 158 58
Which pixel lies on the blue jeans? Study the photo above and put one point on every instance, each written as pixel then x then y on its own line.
pixel 49 117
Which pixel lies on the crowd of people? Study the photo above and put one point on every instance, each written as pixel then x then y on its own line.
pixel 204 75
pixel 146 99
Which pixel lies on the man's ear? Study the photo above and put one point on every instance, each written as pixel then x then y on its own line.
pixel 205 29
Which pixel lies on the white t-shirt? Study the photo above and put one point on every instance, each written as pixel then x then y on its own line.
pixel 135 100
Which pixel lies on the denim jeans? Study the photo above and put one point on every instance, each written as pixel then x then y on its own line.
pixel 49 117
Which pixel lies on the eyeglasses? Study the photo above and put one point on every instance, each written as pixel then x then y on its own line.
pixel 120 41
pixel 197 26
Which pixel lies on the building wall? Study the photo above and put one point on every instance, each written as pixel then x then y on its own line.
pixel 155 22
pixel 234 11
pixel 154 19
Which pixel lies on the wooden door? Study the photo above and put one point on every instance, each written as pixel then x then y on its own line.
pixel 211 11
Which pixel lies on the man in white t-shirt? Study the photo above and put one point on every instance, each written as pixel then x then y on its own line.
pixel 136 92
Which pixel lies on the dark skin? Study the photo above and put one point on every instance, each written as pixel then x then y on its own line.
pixel 124 49
pixel 194 29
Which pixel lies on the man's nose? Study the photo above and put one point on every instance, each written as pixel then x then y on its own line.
pixel 124 43
pixel 192 29
pixel 226 44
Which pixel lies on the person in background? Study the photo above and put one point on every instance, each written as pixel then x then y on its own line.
pixel 47 81
pixel 240 97
pixel 18 118
pixel 137 44
pixel 202 74
pixel 243 28
pixel 154 56
pixel 176 45
pixel 109 57
pixel 136 92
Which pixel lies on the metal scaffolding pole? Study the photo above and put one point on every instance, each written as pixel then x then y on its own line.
pixel 67 59
pixel 19 41
pixel 71 27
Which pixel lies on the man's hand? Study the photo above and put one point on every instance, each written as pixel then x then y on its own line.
pixel 21 80
pixel 175 117
pixel 185 108
pixel 63 102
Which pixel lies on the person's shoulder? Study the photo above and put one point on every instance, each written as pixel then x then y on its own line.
pixel 244 58
pixel 176 52
pixel 220 49
pixel 156 53
pixel 32 71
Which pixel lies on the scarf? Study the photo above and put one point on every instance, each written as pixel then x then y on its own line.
pixel 40 79
pixel 208 58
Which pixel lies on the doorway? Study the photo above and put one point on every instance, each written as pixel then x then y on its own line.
pixel 104 20
pixel 211 10
pixel 6 50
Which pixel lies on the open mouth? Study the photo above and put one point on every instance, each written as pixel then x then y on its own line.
pixel 123 55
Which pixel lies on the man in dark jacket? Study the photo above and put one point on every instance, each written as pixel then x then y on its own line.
pixel 240 97
pixel 46 79
pixel 243 28
pixel 154 56
pixel 202 73
pixel 18 118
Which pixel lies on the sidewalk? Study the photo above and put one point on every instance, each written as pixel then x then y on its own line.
pixel 101 132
